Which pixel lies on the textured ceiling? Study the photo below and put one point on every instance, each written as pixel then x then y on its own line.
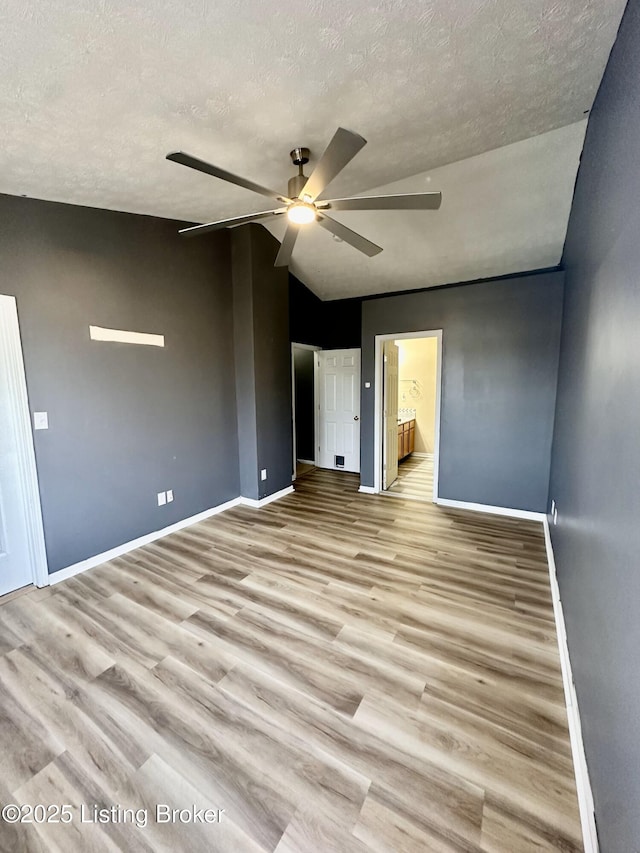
pixel 503 211
pixel 94 93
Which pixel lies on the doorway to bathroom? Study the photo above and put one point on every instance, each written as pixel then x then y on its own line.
pixel 408 371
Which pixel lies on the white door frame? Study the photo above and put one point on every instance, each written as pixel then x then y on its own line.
pixel 377 430
pixel 311 348
pixel 11 344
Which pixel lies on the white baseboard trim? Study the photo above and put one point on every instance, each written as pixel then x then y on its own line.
pixel 306 461
pixel 421 455
pixel 389 493
pixel 126 547
pixel 256 504
pixel 583 784
pixel 493 510
pixel 368 490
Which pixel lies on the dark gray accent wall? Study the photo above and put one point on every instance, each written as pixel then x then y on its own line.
pixel 303 361
pixel 306 324
pixel 342 322
pixel 125 421
pixel 595 472
pixel 500 359
pixel 330 325
pixel 263 362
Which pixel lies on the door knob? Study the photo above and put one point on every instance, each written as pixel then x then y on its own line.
pixel 356 417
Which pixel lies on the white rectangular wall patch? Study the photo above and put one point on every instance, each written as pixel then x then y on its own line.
pixel 97 333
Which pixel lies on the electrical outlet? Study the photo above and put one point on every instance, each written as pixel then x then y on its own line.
pixel 263 474
pixel 169 495
pixel 162 498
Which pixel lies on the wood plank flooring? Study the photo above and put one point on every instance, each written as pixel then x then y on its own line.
pixel 337 671
pixel 303 468
pixel 415 479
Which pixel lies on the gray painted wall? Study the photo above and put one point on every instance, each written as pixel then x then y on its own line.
pixel 500 359
pixel 595 474
pixel 125 421
pixel 263 362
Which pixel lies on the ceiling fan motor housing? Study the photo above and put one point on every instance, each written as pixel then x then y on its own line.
pixel 296 185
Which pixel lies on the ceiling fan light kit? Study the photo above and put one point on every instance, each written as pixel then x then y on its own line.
pixel 302 203
pixel 301 212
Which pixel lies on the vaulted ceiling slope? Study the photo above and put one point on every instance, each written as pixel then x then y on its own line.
pixel 93 95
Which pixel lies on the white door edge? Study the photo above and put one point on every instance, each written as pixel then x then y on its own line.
pixel 316 409
pixel 293 412
pixel 12 345
pixel 390 379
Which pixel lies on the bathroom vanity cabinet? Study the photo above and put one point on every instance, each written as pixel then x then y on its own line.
pixel 406 438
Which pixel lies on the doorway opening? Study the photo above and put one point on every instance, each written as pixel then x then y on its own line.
pixel 407 435
pixel 304 394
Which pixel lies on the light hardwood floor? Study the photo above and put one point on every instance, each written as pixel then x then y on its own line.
pixel 303 468
pixel 415 478
pixel 339 672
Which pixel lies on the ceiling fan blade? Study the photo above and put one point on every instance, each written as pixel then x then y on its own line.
pixel 196 230
pixel 356 240
pixel 343 147
pixel 209 169
pixel 411 201
pixel 290 237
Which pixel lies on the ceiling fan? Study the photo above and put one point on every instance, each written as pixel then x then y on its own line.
pixel 302 204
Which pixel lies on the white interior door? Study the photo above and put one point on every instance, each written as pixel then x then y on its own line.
pixel 390 413
pixel 16 559
pixel 339 409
